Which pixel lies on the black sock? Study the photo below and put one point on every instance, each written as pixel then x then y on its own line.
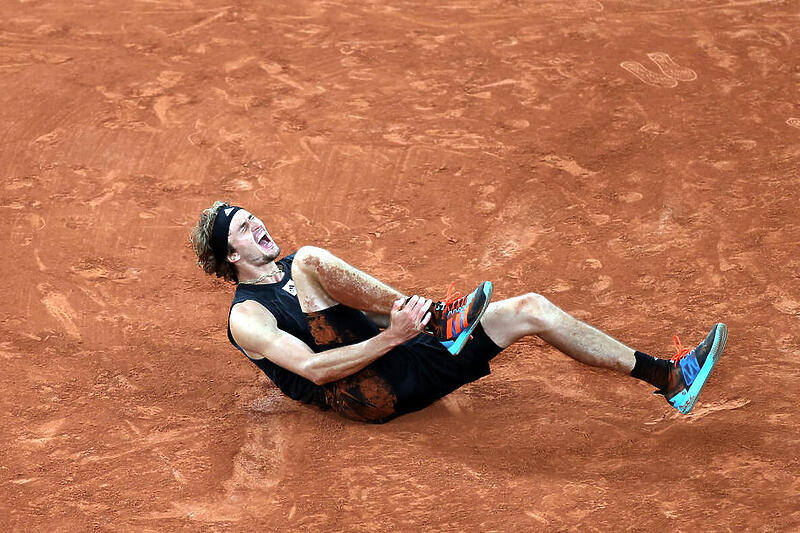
pixel 652 370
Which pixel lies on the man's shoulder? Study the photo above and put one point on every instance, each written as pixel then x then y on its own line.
pixel 248 311
pixel 250 323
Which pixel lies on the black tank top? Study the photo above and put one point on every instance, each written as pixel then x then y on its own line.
pixel 418 371
pixel 280 299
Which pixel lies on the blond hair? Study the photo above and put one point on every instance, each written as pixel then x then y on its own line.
pixel 201 242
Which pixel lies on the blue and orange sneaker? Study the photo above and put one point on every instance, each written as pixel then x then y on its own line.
pixel 690 369
pixel 454 319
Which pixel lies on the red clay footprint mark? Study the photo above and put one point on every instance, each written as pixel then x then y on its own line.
pixel 648 76
pixel 671 73
pixel 670 68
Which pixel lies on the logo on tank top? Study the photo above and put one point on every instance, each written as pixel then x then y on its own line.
pixel 290 288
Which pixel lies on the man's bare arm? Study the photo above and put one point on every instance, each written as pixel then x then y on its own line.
pixel 255 329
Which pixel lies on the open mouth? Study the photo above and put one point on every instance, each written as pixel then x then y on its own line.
pixel 263 240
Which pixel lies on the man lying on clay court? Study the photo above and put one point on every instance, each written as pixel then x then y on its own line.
pixel 314 324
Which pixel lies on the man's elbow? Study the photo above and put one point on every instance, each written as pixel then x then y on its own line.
pixel 315 374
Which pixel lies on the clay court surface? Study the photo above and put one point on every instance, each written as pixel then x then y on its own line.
pixel 636 162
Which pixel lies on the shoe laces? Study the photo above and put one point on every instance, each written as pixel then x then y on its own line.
pixel 453 299
pixel 681 352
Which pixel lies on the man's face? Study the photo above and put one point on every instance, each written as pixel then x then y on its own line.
pixel 250 240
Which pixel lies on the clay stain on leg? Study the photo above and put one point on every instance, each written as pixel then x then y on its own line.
pixel 354 288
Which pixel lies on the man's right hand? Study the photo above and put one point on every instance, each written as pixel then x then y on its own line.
pixel 407 321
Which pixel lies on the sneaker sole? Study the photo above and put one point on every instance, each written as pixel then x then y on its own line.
pixel 685 400
pixel 463 337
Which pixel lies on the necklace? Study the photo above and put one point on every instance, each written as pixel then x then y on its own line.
pixel 262 277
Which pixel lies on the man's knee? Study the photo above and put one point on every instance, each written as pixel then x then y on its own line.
pixel 309 258
pixel 537 310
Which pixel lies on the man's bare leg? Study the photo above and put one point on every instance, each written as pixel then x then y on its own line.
pixel 532 314
pixel 323 280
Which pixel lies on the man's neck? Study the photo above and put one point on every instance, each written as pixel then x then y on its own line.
pixel 268 273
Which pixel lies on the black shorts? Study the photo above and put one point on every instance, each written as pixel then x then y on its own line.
pixel 406 379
